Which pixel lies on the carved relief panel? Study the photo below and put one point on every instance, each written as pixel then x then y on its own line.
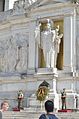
pixel 13 53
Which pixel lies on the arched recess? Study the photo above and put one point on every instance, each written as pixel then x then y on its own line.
pixel 41 61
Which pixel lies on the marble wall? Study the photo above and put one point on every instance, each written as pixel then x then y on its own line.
pixel 19 52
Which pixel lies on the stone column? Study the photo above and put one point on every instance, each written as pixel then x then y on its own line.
pixel 54 85
pixel 9 4
pixel 31 61
pixel 6 5
pixel 55 75
pixel 69 42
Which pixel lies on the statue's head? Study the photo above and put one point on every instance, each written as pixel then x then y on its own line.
pixel 49 24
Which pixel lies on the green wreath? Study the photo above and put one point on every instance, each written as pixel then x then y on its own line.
pixel 41 93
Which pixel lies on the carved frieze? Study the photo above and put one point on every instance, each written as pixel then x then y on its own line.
pixel 21 6
pixel 13 53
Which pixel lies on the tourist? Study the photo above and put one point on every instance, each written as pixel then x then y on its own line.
pixel 49 107
pixel 4 107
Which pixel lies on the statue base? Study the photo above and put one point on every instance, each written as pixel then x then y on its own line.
pixel 34 103
pixel 65 110
pixel 47 71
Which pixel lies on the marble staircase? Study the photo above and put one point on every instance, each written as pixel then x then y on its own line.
pixel 20 115
pixel 35 115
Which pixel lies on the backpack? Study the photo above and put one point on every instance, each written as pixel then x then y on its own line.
pixel 46 116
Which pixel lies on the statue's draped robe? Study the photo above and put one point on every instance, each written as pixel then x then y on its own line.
pixel 48 48
pixel 49 41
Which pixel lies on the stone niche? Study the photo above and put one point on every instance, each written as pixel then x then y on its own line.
pixel 43 60
pixel 52 95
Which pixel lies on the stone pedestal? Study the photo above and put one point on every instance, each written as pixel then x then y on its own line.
pixel 55 97
pixel 34 103
pixel 47 71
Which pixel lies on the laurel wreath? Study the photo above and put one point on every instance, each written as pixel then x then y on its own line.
pixel 41 93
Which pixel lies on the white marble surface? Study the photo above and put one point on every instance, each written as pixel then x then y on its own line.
pixel 19 53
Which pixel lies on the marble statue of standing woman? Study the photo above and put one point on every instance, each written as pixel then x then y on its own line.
pixel 49 41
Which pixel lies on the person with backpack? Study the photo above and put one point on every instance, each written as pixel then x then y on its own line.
pixel 49 107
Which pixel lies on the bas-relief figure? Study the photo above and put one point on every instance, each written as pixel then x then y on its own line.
pixel 13 55
pixel 4 45
pixel 21 6
pixel 18 7
pixel 21 48
pixel 49 41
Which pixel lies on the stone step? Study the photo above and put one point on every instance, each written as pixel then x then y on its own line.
pixel 20 115
pixel 35 115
